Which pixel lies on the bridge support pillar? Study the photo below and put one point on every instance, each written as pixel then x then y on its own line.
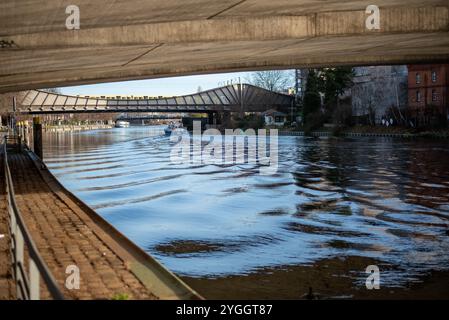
pixel 226 119
pixel 37 138
pixel 212 118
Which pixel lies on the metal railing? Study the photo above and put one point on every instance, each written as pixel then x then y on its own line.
pixel 27 285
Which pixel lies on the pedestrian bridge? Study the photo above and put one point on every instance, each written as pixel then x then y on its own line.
pixel 232 98
pixel 136 39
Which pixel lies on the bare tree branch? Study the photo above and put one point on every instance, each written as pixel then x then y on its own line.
pixel 274 80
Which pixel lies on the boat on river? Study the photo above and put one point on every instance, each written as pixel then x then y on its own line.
pixel 122 124
pixel 171 127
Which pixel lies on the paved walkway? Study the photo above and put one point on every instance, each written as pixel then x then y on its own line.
pixel 6 282
pixel 64 236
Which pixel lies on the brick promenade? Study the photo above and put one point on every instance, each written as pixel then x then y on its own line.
pixel 64 237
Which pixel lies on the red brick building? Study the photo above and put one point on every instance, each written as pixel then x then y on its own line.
pixel 428 90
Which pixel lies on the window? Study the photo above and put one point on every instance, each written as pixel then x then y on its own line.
pixel 434 95
pixel 418 96
pixel 418 78
pixel 278 119
pixel 434 76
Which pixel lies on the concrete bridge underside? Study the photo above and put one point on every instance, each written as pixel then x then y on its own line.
pixel 137 39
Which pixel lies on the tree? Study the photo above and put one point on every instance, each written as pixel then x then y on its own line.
pixel 312 115
pixel 331 83
pixel 275 80
pixel 334 82
pixel 312 98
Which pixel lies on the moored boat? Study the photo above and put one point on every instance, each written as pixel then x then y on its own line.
pixel 122 124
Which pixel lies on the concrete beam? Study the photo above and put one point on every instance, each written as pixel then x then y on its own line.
pixel 221 37
pixel 340 23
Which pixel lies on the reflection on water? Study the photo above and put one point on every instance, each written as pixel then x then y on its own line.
pixel 381 198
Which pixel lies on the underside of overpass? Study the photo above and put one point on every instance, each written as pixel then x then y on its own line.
pixel 138 39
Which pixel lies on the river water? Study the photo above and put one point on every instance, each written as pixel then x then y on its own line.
pixel 380 200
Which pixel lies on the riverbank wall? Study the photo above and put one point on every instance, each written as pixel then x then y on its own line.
pixel 442 135
pixel 71 128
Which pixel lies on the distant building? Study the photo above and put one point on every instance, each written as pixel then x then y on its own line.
pixel 428 90
pixel 376 89
pixel 274 118
pixel 300 82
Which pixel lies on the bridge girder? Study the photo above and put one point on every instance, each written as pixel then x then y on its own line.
pixel 233 98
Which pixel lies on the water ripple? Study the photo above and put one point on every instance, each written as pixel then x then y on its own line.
pixel 384 199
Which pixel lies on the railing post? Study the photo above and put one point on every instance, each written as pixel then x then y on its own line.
pixel 34 281
pixel 19 262
pixel 12 231
pixel 37 135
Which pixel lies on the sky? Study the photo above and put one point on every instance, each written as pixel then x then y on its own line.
pixel 157 87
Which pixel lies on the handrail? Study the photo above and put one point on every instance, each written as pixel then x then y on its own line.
pixel 27 286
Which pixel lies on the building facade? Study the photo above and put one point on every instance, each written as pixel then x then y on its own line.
pixel 428 91
pixel 274 118
pixel 376 90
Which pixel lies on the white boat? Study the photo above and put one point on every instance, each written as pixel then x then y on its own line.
pixel 172 127
pixel 122 124
pixel 168 130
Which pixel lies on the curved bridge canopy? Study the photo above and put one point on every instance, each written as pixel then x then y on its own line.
pixel 233 98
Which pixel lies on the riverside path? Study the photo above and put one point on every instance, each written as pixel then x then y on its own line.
pixel 68 233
